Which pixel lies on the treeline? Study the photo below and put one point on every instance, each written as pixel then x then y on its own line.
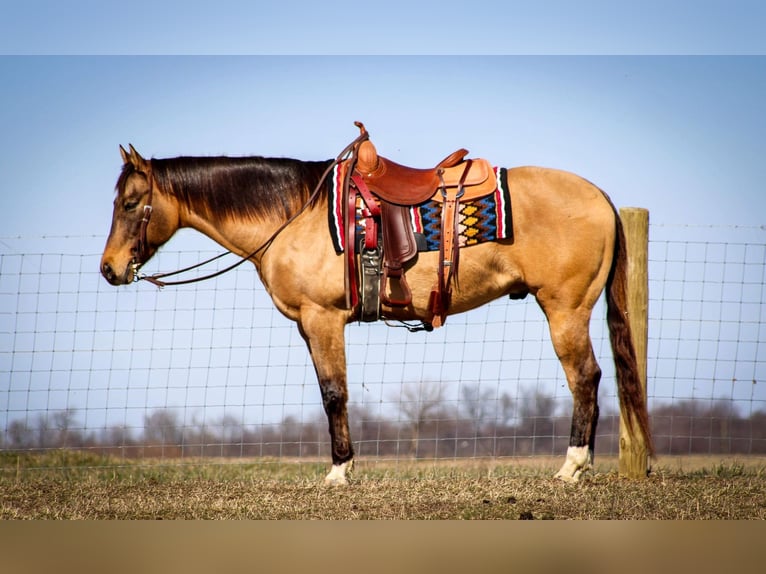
pixel 426 428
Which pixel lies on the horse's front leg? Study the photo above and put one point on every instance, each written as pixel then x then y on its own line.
pixel 323 331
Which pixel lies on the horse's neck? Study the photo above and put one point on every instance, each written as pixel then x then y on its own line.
pixel 243 236
pixel 247 227
pixel 238 236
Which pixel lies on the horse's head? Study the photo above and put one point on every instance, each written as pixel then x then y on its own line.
pixel 143 219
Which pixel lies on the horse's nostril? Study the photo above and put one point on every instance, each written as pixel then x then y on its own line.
pixel 106 270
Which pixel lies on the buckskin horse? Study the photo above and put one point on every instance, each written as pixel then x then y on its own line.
pixel 567 246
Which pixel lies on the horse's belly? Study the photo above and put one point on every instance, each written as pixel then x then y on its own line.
pixel 485 273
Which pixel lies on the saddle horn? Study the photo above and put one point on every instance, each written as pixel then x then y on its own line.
pixel 366 155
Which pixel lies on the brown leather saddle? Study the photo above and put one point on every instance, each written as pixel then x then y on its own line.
pixel 388 190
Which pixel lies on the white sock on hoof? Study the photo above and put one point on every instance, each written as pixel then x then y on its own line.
pixel 579 459
pixel 337 474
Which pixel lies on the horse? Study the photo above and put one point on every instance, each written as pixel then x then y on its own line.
pixel 566 249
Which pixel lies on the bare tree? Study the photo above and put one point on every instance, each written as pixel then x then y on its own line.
pixel 420 403
pixel 116 435
pixel 537 405
pixel 231 429
pixel 477 403
pixel 65 424
pixel 507 406
pixel 58 429
pixel 20 436
pixel 161 428
pixel 231 434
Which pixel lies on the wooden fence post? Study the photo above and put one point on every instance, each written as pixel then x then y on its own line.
pixel 633 458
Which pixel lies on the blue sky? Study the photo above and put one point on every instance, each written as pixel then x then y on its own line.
pixel 391 27
pixel 661 106
pixel 679 135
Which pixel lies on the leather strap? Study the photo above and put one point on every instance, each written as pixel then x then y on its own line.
pixel 373 209
pixel 142 244
pixel 449 249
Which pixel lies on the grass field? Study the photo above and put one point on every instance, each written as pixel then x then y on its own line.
pixel 73 485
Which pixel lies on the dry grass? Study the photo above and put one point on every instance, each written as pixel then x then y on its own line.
pixel 65 485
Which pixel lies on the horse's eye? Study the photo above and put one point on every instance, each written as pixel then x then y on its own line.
pixel 130 205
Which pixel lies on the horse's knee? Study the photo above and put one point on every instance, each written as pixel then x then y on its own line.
pixel 334 396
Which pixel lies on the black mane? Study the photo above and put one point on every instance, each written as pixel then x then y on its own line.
pixel 250 187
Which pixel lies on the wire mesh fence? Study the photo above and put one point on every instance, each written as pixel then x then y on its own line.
pixel 212 369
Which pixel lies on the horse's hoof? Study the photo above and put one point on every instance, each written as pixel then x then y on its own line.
pixel 568 478
pixel 335 481
pixel 337 475
pixel 579 459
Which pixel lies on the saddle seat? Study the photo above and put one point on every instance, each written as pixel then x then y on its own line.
pixel 403 185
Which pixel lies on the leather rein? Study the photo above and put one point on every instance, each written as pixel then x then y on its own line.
pixel 142 246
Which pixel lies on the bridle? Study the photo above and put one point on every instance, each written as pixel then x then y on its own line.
pixel 141 248
pixel 142 245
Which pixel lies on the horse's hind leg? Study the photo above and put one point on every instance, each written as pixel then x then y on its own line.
pixel 323 332
pixel 571 340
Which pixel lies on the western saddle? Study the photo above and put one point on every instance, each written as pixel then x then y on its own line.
pixel 388 191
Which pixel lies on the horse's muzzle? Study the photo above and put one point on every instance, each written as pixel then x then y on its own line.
pixel 115 279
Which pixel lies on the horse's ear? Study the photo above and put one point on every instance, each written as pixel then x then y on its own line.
pixel 125 156
pixel 135 158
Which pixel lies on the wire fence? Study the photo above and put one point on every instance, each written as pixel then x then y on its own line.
pixel 212 369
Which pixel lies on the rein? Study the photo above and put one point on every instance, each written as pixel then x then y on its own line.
pixel 157 278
